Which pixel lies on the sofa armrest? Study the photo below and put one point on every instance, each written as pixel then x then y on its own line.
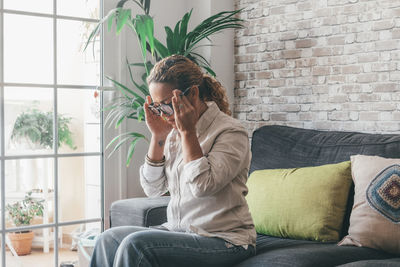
pixel 141 211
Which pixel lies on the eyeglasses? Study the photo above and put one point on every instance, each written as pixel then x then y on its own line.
pixel 167 109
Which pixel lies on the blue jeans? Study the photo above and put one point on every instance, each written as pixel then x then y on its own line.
pixel 131 246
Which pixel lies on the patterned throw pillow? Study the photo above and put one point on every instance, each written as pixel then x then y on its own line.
pixel 375 217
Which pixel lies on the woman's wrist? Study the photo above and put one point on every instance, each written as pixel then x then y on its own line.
pixel 155 163
pixel 159 140
pixel 156 149
pixel 189 134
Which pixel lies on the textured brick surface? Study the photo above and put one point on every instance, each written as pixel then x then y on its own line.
pixel 326 64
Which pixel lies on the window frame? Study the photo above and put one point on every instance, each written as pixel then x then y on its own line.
pixel 56 224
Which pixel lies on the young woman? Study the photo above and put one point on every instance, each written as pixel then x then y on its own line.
pixel 200 155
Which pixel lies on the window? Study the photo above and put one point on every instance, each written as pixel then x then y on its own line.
pixel 49 87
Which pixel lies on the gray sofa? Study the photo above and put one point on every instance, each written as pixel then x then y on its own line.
pixel 287 147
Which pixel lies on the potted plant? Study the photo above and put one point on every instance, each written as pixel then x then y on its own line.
pixel 36 128
pixel 22 213
pixel 178 41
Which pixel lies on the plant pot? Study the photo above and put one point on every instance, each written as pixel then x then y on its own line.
pixel 21 242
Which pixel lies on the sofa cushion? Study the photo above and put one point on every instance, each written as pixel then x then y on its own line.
pixel 139 211
pixel 375 217
pixel 282 147
pixel 275 251
pixel 302 203
pixel 374 263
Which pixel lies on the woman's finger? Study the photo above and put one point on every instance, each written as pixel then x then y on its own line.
pixel 175 104
pixel 185 101
pixel 146 109
pixel 148 99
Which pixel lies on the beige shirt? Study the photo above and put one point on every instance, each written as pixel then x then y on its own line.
pixel 207 194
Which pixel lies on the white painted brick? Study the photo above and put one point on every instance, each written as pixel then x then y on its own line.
pixel 384 106
pixel 385 55
pixel 390 126
pixel 387 45
pixel 394 75
pixel 383 66
pixel 385 35
pixel 303 33
pixel 352 19
pixel 383 25
pixel 386 97
pixel 369 16
pixel 369 116
pixel 354 116
pixel 367 67
pixel 385 116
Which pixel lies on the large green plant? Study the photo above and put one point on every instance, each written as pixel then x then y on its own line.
pixel 37 126
pixel 178 41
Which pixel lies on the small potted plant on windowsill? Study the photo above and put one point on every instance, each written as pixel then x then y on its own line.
pixel 22 213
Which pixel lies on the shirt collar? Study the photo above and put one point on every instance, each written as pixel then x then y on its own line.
pixel 207 117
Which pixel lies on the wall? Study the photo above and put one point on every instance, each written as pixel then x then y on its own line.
pixel 326 64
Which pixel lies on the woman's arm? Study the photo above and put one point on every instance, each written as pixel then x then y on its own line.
pixel 152 177
pixel 229 155
pixel 153 180
pixel 159 129
pixel 186 117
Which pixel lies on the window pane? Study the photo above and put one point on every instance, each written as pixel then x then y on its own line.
pixel 42 252
pixel 82 107
pixel 79 186
pixel 42 6
pixel 28 49
pixel 75 66
pixel 79 8
pixel 28 120
pixel 29 181
pixel 83 245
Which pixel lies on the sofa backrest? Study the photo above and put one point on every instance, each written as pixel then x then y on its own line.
pixel 277 147
pixel 280 147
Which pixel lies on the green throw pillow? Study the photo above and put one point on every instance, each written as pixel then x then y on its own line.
pixel 301 203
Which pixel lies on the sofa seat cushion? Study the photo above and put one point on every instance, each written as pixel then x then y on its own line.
pixel 373 263
pixel 275 251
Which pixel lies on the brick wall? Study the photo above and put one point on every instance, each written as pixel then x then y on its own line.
pixel 319 64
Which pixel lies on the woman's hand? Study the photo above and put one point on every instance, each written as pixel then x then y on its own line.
pixel 186 115
pixel 156 124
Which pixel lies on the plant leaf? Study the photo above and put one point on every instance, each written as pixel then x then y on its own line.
pixel 144 26
pixel 125 89
pixel 142 88
pixel 170 40
pixel 147 6
pixel 110 21
pixel 97 29
pixel 122 17
pixel 184 24
pixel 121 3
pixel 162 51
pixel 130 151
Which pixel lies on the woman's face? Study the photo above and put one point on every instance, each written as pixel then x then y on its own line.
pixel 162 93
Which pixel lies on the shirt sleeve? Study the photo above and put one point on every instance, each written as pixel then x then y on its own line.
pixel 209 174
pixel 153 180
